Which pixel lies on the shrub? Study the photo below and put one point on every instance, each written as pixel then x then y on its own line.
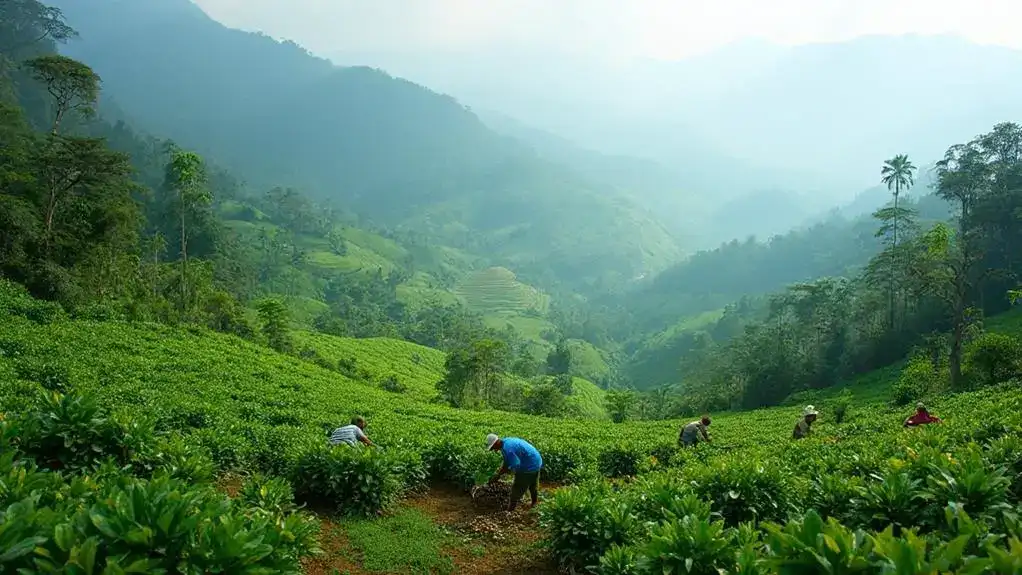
pixel 831 495
pixel 893 500
pixel 620 560
pixel 271 495
pixel 162 525
pixel 73 432
pixel 975 486
pixel 15 300
pixel 52 376
pixel 688 544
pixel 583 524
pixel 391 384
pixel 462 465
pixel 917 379
pixel 993 358
pixel 746 491
pixel 178 458
pixel 312 355
pixel 354 481
pixel 661 496
pixel 98 312
pixel 841 405
pixel 561 459
pixel 619 461
pixel 348 366
pixel 817 547
pixel 544 399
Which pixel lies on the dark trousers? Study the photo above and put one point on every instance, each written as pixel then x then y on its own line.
pixel 524 482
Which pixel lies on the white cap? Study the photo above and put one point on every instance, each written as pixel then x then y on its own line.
pixel 490 440
pixel 810 410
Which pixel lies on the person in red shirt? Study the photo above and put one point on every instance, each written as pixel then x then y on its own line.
pixel 921 417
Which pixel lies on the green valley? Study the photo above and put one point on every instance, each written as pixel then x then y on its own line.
pixel 218 248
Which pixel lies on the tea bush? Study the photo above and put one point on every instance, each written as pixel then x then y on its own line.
pixel 351 480
pixel 151 412
pixel 619 461
pixel 111 521
pixel 73 432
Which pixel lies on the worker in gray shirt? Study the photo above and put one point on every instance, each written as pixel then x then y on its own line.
pixel 350 434
pixel 691 433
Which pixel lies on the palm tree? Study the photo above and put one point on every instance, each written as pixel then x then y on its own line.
pixel 897 175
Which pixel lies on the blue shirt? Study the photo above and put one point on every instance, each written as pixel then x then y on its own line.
pixel 520 455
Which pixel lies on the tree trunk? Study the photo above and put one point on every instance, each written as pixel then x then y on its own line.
pixel 184 259
pixel 958 319
pixel 955 356
pixel 156 264
pixel 894 254
pixel 56 121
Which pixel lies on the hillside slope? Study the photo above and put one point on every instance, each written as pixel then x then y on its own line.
pixel 391 150
pixel 256 411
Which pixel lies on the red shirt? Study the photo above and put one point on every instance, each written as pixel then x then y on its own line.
pixel 921 418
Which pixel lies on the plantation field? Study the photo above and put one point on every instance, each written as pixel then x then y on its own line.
pixel 587 399
pixel 372 361
pixel 587 361
pixel 749 502
pixel 496 291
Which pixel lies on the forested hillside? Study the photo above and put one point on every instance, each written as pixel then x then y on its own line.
pixel 919 281
pixel 180 334
pixel 394 152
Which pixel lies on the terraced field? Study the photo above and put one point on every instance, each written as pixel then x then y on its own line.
pixel 496 291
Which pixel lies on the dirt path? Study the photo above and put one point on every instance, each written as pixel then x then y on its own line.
pixel 488 542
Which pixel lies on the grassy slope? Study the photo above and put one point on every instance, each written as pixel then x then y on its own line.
pixel 365 253
pixel 493 292
pixel 153 368
pixel 419 368
pixel 656 361
pixel 588 400
pixel 415 366
pixel 587 361
pixel 230 384
pixel 875 386
pixel 156 370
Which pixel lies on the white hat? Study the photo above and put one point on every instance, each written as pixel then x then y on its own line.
pixel 920 405
pixel 490 440
pixel 809 410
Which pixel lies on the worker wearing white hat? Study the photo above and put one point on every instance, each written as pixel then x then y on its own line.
pixel 804 425
pixel 522 459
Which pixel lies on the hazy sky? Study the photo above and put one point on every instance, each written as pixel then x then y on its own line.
pixel 607 28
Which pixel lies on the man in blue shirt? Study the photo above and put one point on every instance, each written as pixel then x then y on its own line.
pixel 521 458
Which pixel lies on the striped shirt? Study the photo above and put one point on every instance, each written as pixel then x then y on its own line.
pixel 349 434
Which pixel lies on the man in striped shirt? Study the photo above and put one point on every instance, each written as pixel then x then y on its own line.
pixel 350 434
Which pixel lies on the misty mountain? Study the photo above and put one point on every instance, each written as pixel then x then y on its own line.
pixel 402 155
pixel 700 220
pixel 817 119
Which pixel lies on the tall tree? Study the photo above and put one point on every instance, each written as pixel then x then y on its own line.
pixel 27 22
pixel 73 86
pixel 186 178
pixel 558 361
pixel 948 268
pixel 897 174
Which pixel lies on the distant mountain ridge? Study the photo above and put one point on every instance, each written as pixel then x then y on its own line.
pixel 815 119
pixel 396 152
